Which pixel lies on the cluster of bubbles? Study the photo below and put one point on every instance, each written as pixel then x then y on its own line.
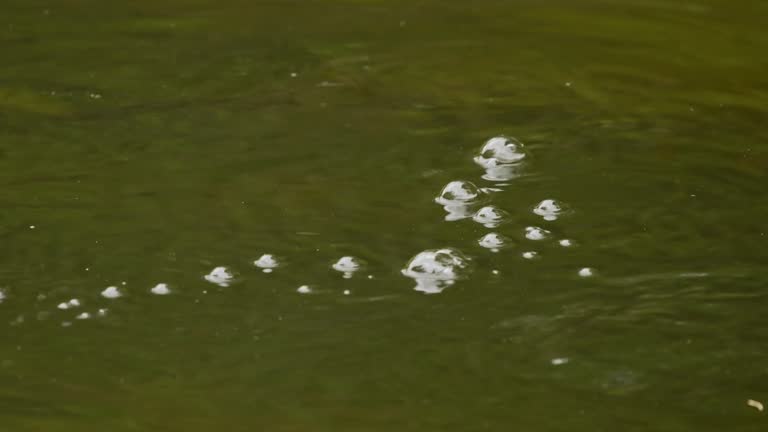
pixel 502 159
pixel 433 270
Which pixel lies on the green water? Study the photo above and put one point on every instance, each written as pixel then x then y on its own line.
pixel 149 142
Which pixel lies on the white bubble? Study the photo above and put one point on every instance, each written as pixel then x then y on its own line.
pixel 560 361
pixel 103 312
pixel 160 289
pixel 2 295
pixel 348 266
pixel 74 302
pixel 586 272
pixel 549 209
pixel 491 216
pixel 501 157
pixel 494 242
pixel 220 276
pixel 83 316
pixel 63 306
pixel 111 293
pixel 566 243
pixel 304 289
pixel 346 292
pixel 460 199
pixel 435 269
pixel 267 262
pixel 530 255
pixel 495 272
pixel 536 233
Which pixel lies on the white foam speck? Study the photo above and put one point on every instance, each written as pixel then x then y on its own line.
pixel 565 243
pixel 586 272
pixel 559 361
pixel 530 255
pixel 83 316
pixel 304 289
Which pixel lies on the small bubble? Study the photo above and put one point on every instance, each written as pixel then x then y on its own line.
pixel 536 233
pixel 304 289
pixel 83 316
pixel 347 265
pixel 586 272
pixel 267 263
pixel 346 292
pixel 565 243
pixel 495 272
pixel 102 312
pixel 560 361
pixel 530 255
pixel 549 209
pixel 491 216
pixel 31 227
pixel 160 289
pixel 460 199
pixel 111 293
pixel 220 276
pixel 494 242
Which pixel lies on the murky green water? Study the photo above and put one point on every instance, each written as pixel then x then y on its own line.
pixel 152 142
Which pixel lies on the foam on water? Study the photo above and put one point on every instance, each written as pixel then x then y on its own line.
pixel 347 265
pixel 491 216
pixel 494 241
pixel 549 209
pixel 220 276
pixel 267 263
pixel 436 269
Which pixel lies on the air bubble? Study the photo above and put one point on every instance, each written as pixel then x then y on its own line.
pixel 494 242
pixel 267 263
pixel 436 269
pixel 160 289
pixel 549 209
pixel 530 255
pixel 220 276
pixel 347 265
pixel 304 289
pixel 460 199
pixel 491 216
pixel 586 272
pixel 566 243
pixel 536 233
pixel 501 157
pixel 111 293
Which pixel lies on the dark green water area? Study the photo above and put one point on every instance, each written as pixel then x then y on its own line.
pixel 280 215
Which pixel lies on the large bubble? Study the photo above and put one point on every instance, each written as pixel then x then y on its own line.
pixel 436 269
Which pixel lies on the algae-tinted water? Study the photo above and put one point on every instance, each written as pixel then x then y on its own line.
pixel 147 143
